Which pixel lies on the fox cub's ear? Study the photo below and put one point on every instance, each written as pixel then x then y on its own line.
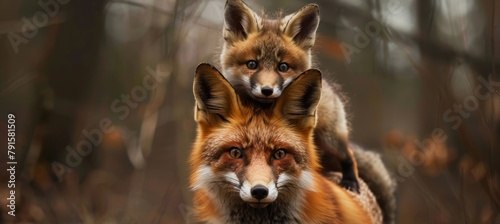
pixel 301 26
pixel 299 100
pixel 239 21
pixel 214 96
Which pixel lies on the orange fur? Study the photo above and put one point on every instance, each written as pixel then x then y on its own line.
pixel 287 41
pixel 226 120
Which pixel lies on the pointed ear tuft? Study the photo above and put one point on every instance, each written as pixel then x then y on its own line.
pixel 301 26
pixel 239 21
pixel 214 96
pixel 299 100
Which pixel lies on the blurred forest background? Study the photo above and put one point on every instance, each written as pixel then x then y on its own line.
pixel 421 76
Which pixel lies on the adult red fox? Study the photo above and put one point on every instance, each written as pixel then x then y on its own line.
pixel 255 163
pixel 261 56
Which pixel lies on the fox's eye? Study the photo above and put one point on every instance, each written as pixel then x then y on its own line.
pixel 235 153
pixel 282 67
pixel 280 154
pixel 252 64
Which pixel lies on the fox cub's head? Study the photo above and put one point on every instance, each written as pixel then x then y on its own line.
pixel 248 154
pixel 261 56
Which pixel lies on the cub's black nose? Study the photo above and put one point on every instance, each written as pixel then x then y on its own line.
pixel 259 192
pixel 266 91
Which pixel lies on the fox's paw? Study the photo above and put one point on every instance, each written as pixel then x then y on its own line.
pixel 351 185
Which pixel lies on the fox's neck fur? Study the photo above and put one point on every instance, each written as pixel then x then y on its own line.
pixel 283 210
pixel 293 205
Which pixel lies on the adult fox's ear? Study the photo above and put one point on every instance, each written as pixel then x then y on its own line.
pixel 239 21
pixel 215 97
pixel 301 26
pixel 299 100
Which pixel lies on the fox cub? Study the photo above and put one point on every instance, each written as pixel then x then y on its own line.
pixel 261 56
pixel 254 164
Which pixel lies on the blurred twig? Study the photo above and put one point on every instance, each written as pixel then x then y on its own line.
pixel 430 47
pixel 157 9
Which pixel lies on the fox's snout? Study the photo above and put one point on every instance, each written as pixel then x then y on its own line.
pixel 266 91
pixel 267 85
pixel 259 192
pixel 259 185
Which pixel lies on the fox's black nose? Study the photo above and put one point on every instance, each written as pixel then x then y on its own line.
pixel 266 91
pixel 259 192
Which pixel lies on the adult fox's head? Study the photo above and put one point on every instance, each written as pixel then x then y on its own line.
pixel 245 153
pixel 261 56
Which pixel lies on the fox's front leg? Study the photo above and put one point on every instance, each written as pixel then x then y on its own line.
pixel 331 136
pixel 335 155
pixel 349 167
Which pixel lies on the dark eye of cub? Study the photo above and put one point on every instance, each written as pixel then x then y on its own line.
pixel 235 153
pixel 280 154
pixel 252 64
pixel 282 67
